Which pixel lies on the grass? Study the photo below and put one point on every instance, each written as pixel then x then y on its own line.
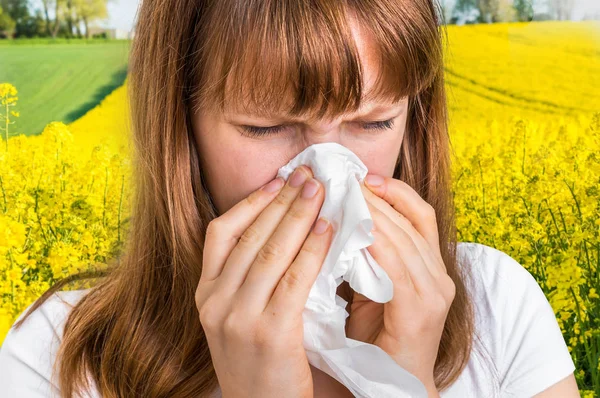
pixel 60 81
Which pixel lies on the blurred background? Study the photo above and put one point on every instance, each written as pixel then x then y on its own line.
pixel 523 81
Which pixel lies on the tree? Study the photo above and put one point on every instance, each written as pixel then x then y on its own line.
pixel 47 5
pixel 465 11
pixel 506 11
pixel 7 24
pixel 524 10
pixel 488 10
pixel 33 26
pixel 90 10
pixel 18 12
pixel 69 13
pixel 61 13
pixel 60 8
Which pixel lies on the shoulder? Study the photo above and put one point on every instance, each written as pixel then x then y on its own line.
pixel 492 265
pixel 497 283
pixel 27 353
pixel 515 321
pixel 49 316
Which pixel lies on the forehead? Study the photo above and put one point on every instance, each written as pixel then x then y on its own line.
pixel 339 75
pixel 371 99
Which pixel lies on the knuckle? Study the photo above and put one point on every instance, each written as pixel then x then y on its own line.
pixel 261 336
pixel 209 318
pixel 293 278
pixel 254 198
pixel 282 199
pixel 429 212
pixel 214 228
pixel 450 287
pixel 313 247
pixel 417 326
pixel 270 252
pixel 200 295
pixel 297 212
pixel 250 236
pixel 438 304
pixel 233 326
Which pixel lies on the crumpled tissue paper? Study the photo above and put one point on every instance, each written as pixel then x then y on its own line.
pixel 365 369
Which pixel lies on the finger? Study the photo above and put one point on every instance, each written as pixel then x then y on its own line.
pixel 408 202
pixel 224 231
pixel 289 298
pixel 404 252
pixel 432 257
pixel 386 254
pixel 276 255
pixel 254 237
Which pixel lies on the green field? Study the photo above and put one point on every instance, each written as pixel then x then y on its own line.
pixel 60 81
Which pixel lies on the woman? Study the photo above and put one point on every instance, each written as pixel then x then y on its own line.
pixel 208 296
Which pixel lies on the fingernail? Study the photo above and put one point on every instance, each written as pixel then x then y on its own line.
pixel 374 180
pixel 274 185
pixel 321 226
pixel 298 178
pixel 310 189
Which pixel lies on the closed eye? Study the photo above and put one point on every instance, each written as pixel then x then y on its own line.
pixel 382 125
pixel 255 131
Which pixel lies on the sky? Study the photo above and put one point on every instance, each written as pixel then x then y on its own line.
pixel 580 7
pixel 122 13
pixel 583 6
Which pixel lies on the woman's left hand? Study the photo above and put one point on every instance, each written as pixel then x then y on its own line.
pixel 409 327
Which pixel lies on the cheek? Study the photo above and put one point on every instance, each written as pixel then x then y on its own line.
pixel 381 155
pixel 233 166
pixel 381 161
pixel 242 169
pixel 253 166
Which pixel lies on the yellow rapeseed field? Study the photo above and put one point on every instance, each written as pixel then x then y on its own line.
pixel 524 104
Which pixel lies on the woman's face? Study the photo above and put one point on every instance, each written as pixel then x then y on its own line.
pixel 235 163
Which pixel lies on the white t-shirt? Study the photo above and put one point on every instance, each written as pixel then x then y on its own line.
pixel 514 319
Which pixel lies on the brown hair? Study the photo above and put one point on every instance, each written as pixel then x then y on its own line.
pixel 137 332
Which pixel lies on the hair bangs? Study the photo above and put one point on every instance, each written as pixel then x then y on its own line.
pixel 297 59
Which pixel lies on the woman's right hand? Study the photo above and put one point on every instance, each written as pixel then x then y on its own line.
pixel 258 269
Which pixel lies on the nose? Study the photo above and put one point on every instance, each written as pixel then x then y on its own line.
pixel 323 131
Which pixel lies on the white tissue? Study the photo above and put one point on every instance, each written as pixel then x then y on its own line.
pixel 365 369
